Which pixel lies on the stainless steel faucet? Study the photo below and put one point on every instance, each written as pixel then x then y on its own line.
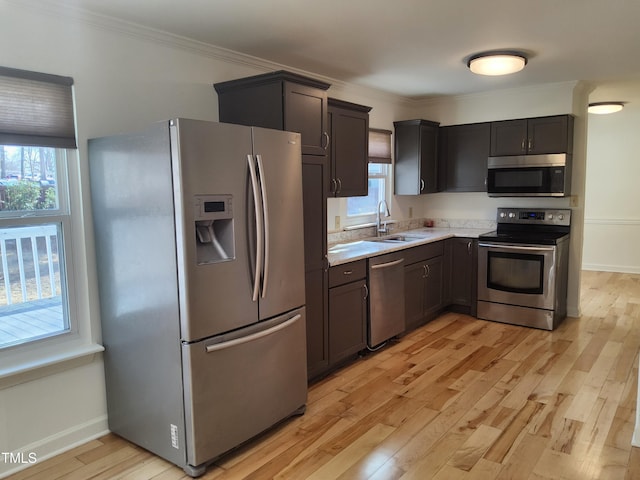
pixel 384 228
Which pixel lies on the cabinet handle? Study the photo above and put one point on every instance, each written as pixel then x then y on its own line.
pixel 421 184
pixel 523 145
pixel 424 267
pixel 326 263
pixel 347 272
pixel 325 136
pixel 428 270
pixel 339 186
pixel 366 291
pixel 530 145
pixel 334 186
pixel 469 248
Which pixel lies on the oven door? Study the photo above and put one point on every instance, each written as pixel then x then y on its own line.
pixel 522 275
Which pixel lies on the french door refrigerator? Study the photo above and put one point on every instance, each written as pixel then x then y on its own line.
pixel 199 247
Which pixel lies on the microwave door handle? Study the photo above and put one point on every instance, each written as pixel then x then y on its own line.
pixel 265 213
pixel 257 202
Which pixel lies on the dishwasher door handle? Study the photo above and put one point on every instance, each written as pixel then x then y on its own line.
pixel 388 264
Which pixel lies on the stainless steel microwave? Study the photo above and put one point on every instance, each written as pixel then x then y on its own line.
pixel 529 176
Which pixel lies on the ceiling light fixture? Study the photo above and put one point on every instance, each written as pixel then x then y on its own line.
pixel 498 62
pixel 602 108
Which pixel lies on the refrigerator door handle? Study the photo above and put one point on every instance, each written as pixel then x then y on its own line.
pixel 265 209
pixel 257 201
pixel 254 336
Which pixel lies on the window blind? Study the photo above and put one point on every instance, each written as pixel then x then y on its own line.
pixel 379 146
pixel 36 109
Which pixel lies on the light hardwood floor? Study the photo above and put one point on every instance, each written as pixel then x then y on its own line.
pixel 459 398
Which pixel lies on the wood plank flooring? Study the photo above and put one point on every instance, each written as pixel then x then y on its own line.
pixel 459 398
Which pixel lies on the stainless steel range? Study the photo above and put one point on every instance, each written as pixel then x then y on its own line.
pixel 523 268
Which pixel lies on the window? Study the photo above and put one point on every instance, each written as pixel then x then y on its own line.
pixel 364 209
pixel 378 179
pixel 36 128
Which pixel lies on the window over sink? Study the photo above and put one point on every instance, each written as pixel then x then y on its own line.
pixel 362 210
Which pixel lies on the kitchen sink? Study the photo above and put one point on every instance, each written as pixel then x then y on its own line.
pixel 396 238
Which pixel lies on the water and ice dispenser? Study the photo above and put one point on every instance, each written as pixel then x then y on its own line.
pixel 214 229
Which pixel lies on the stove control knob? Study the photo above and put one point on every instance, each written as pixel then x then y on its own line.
pixel 512 215
pixel 550 216
pixel 503 214
pixel 561 217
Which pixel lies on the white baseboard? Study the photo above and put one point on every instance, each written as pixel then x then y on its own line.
pixel 56 444
pixel 611 268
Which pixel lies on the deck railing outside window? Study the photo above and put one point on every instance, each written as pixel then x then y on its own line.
pixel 25 251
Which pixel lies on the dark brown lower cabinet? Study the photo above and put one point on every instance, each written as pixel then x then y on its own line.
pixel 463 268
pixel 347 310
pixel 424 289
pixel 317 325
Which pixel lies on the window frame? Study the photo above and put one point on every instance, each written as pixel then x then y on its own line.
pixel 76 346
pixel 364 219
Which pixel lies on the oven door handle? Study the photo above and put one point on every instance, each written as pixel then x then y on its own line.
pixel 509 246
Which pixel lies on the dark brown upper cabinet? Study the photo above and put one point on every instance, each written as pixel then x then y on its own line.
pixel 531 136
pixel 349 152
pixel 464 150
pixel 280 100
pixel 416 157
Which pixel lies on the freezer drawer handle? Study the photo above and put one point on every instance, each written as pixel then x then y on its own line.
pixel 388 264
pixel 255 336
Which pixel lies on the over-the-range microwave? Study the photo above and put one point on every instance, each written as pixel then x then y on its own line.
pixel 529 176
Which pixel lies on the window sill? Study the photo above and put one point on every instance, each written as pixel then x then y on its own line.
pixel 47 365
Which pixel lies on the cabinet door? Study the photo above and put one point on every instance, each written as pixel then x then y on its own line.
pixel 549 135
pixel 349 152
pixel 414 295
pixel 466 150
pixel 317 322
pixel 416 157
pixel 347 320
pixel 509 137
pixel 428 158
pixel 463 268
pixel 315 180
pixel 305 112
pixel 433 286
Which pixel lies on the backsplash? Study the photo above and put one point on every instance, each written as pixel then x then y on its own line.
pixel 403 225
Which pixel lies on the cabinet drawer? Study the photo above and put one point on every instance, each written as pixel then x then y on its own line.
pixel 423 252
pixel 349 272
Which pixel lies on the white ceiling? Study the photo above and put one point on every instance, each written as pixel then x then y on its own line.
pixel 414 48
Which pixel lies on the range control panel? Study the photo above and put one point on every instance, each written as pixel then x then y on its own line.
pixel 534 216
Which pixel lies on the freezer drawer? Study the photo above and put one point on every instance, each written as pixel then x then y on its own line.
pixel 238 385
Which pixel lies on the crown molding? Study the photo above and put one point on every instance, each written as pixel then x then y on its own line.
pixel 67 12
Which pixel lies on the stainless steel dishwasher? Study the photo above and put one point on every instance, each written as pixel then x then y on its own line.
pixel 386 298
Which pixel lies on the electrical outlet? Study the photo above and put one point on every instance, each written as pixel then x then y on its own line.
pixel 410 212
pixel 337 222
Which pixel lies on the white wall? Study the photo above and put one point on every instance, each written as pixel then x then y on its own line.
pixel 612 207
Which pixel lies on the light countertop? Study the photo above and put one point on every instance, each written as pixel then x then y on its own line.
pixel 359 249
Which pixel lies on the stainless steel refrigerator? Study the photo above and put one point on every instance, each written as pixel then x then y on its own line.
pixel 199 247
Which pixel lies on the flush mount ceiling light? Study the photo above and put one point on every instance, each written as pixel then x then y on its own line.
pixel 502 62
pixel 602 108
